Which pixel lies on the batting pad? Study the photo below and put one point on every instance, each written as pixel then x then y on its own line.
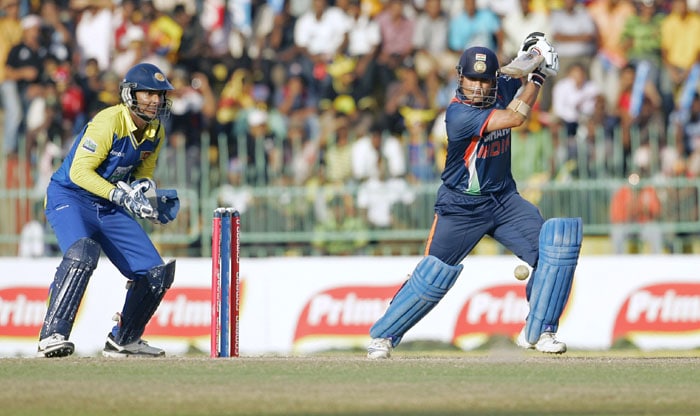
pixel 142 300
pixel 68 287
pixel 548 292
pixel 429 283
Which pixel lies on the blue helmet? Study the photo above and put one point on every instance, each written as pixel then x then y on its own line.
pixel 145 77
pixel 478 63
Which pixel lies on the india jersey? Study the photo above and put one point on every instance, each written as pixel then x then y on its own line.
pixel 106 152
pixel 477 162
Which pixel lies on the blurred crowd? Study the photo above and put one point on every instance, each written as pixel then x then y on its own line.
pixel 302 92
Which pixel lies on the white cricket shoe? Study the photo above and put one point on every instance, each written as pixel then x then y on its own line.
pixel 522 342
pixel 138 348
pixel 55 345
pixel 379 348
pixel 547 343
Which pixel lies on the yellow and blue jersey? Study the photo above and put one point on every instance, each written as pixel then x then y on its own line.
pixel 106 152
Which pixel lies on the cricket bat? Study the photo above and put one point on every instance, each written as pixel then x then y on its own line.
pixel 523 65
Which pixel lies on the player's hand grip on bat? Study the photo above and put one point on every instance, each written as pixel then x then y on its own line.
pixel 537 41
pixel 133 199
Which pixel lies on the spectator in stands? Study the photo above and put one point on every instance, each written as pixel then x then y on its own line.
pixel 404 93
pixel 431 53
pixel 109 95
pixel 641 39
pixel 575 37
pixel 420 150
pixel 10 35
pixel 343 232
pixel 125 16
pixel 634 210
pixel 164 35
pixel 610 17
pixel 234 97
pixel 25 68
pixel 193 52
pixel 475 26
pixel 93 36
pixel 639 111
pixel 364 40
pixel 379 194
pixel 680 43
pixel 296 102
pixel 257 150
pixel 519 22
pixel 397 31
pixel 136 50
pixel 573 100
pixel 193 106
pixel 366 153
pixel 320 34
pixel 280 48
pixel 686 129
pixel 55 32
pixel 338 153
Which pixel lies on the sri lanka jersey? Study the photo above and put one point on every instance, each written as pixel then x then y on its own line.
pixel 106 152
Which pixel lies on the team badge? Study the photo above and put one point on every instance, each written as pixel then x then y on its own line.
pixel 159 77
pixel 89 145
pixel 479 67
pixel 145 155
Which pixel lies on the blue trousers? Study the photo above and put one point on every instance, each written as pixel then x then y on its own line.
pixel 125 243
pixel 461 221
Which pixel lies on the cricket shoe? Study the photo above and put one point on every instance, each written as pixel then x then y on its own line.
pixel 138 348
pixel 55 345
pixel 379 349
pixel 547 343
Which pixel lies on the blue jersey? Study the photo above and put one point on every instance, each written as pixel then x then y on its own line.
pixel 478 163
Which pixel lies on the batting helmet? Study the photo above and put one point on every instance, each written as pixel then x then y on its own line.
pixel 145 77
pixel 478 63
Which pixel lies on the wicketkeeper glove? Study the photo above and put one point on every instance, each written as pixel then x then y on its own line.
pixel 538 42
pixel 133 199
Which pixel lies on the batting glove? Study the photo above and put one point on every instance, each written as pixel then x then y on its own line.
pixel 537 41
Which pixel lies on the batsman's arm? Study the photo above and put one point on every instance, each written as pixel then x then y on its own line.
pixel 517 111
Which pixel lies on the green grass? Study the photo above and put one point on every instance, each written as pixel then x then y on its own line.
pixel 502 381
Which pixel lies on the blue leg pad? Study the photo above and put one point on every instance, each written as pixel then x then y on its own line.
pixel 548 289
pixel 429 283
pixel 68 287
pixel 142 300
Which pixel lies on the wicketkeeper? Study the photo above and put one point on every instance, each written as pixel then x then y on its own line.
pixel 479 197
pixel 92 200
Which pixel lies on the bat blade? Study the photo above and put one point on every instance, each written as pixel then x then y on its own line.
pixel 523 65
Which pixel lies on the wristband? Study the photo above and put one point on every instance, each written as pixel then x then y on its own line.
pixel 519 106
pixel 536 78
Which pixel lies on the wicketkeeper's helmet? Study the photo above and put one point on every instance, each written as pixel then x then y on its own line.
pixel 479 63
pixel 145 77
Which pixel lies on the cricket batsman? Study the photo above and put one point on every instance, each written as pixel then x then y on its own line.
pixel 479 197
pixel 92 202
